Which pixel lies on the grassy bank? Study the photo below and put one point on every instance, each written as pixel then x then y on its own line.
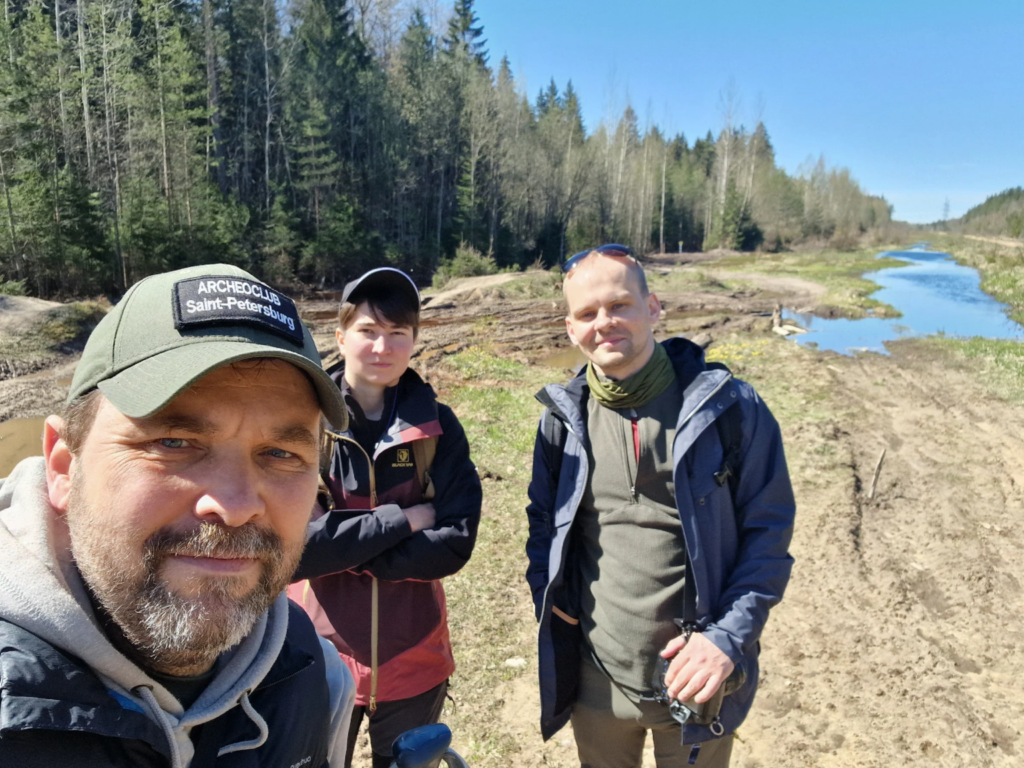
pixel 997 363
pixel 842 273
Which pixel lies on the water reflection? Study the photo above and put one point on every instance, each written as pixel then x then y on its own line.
pixel 935 295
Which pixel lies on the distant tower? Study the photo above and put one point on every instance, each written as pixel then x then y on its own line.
pixel 945 210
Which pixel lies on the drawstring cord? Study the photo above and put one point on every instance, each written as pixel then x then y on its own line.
pixel 157 712
pixel 255 716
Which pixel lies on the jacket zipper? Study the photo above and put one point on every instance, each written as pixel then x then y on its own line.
pixel 369 462
pixel 679 430
pixel 631 477
pixel 374 616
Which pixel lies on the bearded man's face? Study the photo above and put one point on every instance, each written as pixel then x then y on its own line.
pixel 187 524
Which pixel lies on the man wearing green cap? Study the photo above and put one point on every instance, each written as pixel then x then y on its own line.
pixel 143 558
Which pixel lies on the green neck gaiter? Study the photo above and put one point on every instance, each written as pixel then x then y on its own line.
pixel 636 390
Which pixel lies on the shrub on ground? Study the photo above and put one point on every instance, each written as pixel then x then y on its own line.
pixel 467 262
pixel 12 287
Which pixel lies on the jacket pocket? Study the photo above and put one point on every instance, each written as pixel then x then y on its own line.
pixel 566 637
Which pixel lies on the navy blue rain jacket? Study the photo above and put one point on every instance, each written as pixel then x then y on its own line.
pixel 55 712
pixel 739 556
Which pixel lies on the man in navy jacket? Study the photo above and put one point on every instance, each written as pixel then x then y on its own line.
pixel 625 509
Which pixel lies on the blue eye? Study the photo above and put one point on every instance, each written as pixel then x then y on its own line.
pixel 280 453
pixel 172 442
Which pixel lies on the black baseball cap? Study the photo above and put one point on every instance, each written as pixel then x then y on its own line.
pixel 382 278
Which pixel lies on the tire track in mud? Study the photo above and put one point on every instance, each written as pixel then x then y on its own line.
pixel 904 646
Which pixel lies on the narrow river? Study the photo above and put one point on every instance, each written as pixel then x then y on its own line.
pixel 935 296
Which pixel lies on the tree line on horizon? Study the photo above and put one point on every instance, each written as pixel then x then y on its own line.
pixel 308 140
pixel 1001 215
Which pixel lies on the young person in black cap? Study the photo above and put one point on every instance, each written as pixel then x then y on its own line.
pixel 405 504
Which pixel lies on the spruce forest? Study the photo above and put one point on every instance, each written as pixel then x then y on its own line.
pixel 308 140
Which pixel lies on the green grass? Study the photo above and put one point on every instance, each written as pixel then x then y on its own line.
pixel 534 284
pixel 490 610
pixel 12 287
pixel 999 363
pixel 475 363
pixel 71 321
pixel 849 293
pixel 683 279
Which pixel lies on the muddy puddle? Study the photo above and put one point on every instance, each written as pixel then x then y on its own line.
pixel 19 439
pixel 570 358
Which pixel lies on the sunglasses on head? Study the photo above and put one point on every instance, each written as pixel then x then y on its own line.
pixel 613 250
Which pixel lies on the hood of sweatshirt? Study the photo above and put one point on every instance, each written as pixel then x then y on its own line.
pixel 42 592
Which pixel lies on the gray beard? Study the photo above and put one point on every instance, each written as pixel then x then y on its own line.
pixel 168 632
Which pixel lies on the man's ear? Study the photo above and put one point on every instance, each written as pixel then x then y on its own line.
pixel 654 307
pixel 339 336
pixel 568 330
pixel 58 463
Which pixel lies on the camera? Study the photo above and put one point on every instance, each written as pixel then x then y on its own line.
pixel 689 711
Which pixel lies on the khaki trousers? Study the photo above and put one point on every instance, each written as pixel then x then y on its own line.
pixel 610 729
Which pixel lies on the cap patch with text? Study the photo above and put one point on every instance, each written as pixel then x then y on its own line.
pixel 201 301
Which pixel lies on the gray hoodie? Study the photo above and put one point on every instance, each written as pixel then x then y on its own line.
pixel 42 592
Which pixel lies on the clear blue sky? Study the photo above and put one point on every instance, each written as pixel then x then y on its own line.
pixel 922 101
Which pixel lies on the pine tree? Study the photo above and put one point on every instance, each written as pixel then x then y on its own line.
pixel 465 32
pixel 281 244
pixel 318 164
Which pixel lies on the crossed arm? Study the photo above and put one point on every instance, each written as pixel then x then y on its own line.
pixel 422 542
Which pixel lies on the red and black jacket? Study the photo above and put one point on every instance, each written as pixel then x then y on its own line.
pixel 360 540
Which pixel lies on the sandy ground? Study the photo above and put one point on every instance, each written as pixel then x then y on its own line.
pixel 462 287
pixel 901 638
pixel 19 313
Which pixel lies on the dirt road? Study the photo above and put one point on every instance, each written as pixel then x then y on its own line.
pixel 901 639
pixel 899 642
pixel 1008 242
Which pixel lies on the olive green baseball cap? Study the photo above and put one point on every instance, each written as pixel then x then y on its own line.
pixel 170 330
